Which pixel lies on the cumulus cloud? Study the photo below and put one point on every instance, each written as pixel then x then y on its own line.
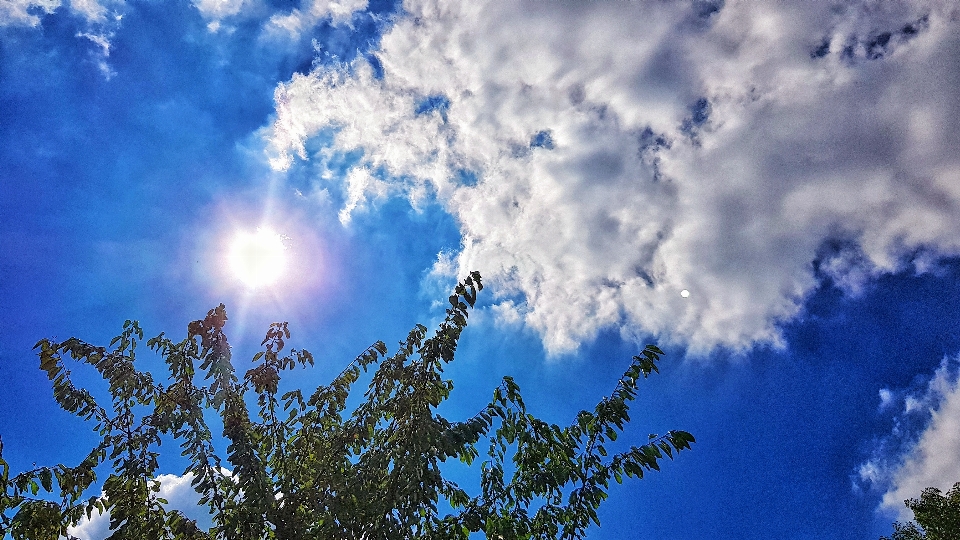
pixel 179 494
pixel 928 457
pixel 602 157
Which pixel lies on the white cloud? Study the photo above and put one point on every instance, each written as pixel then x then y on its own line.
pixel 179 494
pixel 102 42
pixel 95 528
pixel 100 20
pixel 215 10
pixel 930 458
pixel 295 24
pixel 92 10
pixel 626 151
pixel 360 186
pixel 25 12
pixel 280 27
pixel 886 398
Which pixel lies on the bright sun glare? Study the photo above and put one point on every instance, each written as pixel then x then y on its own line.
pixel 258 258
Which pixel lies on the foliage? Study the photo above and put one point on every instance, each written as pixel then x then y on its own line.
pixel 938 516
pixel 302 468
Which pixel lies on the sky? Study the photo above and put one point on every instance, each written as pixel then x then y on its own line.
pixel 768 190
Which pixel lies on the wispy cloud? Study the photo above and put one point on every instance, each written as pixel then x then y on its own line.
pixel 218 9
pixel 602 157
pixel 28 12
pixel 98 21
pixel 923 449
pixel 283 24
pixel 25 12
pixel 297 22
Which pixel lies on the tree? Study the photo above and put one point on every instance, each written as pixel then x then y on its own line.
pixel 938 516
pixel 302 468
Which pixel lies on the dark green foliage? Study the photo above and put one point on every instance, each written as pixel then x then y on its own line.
pixel 938 517
pixel 305 468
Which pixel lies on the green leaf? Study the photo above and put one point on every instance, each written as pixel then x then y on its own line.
pixel 46 479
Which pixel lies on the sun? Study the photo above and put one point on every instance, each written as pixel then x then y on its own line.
pixel 258 259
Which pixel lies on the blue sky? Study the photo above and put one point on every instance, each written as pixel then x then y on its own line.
pixel 793 168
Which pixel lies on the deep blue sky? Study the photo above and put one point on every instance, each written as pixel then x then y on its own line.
pixel 807 197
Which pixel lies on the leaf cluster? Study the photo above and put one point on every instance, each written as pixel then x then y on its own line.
pixel 937 516
pixel 304 467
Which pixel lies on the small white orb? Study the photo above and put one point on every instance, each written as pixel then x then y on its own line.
pixel 685 293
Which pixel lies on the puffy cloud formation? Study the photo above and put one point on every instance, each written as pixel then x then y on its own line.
pixel 175 489
pixel 930 458
pixel 602 157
